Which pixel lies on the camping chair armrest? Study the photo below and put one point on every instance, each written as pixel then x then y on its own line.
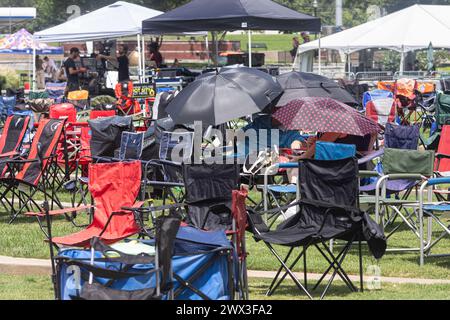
pixel 442 155
pixel 154 183
pixel 371 156
pixel 368 174
pixel 59 211
pixel 409 176
pixel 437 181
pixel 9 154
pixel 153 209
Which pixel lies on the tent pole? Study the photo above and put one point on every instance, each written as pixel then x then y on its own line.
pixel 207 49
pixel 320 55
pixel 402 61
pixel 349 64
pixel 140 57
pixel 143 58
pixel 250 62
pixel 33 63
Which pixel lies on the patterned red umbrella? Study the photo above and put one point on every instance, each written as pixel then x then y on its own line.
pixel 315 114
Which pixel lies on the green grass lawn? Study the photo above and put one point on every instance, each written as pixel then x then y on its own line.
pixel 40 288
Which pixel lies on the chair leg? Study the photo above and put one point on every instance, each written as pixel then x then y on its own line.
pixel 291 274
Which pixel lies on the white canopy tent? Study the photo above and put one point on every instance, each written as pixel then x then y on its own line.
pixel 406 30
pixel 10 16
pixel 118 20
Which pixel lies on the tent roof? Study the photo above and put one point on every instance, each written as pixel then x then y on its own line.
pixel 406 30
pixel 117 20
pixel 216 15
pixel 22 42
pixel 14 15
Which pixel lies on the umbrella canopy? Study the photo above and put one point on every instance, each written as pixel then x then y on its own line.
pixel 215 15
pixel 298 85
pixel 216 98
pixel 22 42
pixel 324 115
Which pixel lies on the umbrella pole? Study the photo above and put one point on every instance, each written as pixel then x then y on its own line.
pixel 402 61
pixel 250 62
pixel 139 57
pixel 33 63
pixel 320 55
pixel 143 58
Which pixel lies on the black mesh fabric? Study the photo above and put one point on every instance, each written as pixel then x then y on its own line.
pixel 209 194
pixel 329 209
pixel 107 133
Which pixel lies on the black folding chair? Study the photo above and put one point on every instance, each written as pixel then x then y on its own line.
pixel 328 210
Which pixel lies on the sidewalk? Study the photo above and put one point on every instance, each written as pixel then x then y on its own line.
pixel 24 266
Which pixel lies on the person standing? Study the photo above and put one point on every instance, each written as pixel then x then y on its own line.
pixel 155 55
pixel 50 68
pixel 40 74
pixel 295 44
pixel 72 72
pixel 123 61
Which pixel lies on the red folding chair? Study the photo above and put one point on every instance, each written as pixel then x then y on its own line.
pixel 37 173
pixel 113 186
pixel 12 138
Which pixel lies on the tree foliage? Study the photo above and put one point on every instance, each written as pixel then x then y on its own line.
pixel 53 12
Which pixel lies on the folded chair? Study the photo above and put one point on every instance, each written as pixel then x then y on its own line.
pixel 106 273
pixel 34 174
pixel 12 138
pixel 442 118
pixel 213 202
pixel 113 186
pixel 328 210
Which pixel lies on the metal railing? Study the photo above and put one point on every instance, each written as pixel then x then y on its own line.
pixel 374 76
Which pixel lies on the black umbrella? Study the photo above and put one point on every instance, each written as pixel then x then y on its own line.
pixel 216 98
pixel 298 85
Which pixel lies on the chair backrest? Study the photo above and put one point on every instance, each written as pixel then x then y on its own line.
pixel 334 151
pixel 442 108
pixel 166 233
pixel 405 87
pixel 113 186
pixel 95 114
pixel 401 137
pixel 335 182
pixel 43 146
pixel 7 105
pixel 381 111
pixel 131 145
pixel 55 90
pixel 443 165
pixel 107 133
pixel 64 111
pixel 386 85
pixel 398 161
pixel 176 146
pixel 85 142
pixel 376 95
pixel 78 95
pixel 13 133
pixel 210 182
